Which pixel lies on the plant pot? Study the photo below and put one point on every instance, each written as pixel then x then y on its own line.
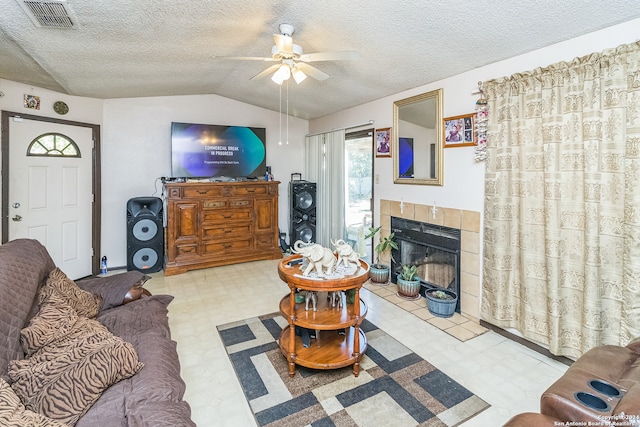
pixel 379 273
pixel 441 307
pixel 408 288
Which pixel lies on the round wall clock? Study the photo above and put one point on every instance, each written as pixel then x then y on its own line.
pixel 60 107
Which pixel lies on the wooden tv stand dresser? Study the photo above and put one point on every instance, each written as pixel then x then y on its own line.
pixel 218 223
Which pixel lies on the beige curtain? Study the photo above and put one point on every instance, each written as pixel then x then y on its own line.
pixel 324 163
pixel 562 208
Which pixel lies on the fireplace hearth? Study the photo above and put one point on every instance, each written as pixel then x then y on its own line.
pixel 435 249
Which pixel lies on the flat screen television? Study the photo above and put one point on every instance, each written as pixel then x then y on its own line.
pixel 214 151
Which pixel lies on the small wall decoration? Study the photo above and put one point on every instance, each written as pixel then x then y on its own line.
pixel 32 101
pixel 459 131
pixel 383 142
pixel 482 122
pixel 60 107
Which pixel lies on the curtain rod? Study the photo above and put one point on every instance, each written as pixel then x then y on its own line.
pixel 370 122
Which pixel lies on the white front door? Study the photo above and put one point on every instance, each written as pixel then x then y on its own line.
pixel 50 193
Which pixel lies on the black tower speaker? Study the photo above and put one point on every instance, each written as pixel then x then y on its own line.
pixel 303 211
pixel 145 235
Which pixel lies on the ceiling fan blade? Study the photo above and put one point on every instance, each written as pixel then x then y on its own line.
pixel 245 58
pixel 266 72
pixel 283 43
pixel 312 71
pixel 330 56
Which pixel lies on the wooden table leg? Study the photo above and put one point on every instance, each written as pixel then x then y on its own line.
pixel 292 332
pixel 356 331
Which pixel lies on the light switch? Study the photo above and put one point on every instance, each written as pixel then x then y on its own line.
pixel 377 178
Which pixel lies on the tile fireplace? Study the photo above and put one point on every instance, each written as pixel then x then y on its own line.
pixel 469 224
pixel 434 248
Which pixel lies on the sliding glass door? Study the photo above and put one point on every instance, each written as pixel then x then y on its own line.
pixel 359 190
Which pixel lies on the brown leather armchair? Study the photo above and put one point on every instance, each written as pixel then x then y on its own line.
pixel 602 388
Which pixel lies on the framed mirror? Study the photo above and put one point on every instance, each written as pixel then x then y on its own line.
pixel 417 139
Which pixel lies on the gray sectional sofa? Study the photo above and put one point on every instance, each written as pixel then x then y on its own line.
pixel 117 368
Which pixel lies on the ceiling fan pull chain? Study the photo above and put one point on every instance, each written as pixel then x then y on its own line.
pixel 280 116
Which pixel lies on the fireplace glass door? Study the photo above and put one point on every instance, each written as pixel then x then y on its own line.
pixel 434 249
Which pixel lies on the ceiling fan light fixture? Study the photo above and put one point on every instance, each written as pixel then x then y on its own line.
pixel 298 75
pixel 282 73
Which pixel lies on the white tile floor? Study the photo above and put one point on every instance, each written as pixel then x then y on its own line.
pixel 507 375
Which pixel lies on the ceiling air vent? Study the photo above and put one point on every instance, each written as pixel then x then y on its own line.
pixel 49 13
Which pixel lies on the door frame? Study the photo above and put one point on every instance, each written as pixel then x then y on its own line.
pixel 96 205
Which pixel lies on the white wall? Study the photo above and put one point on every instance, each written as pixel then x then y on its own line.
pixel 136 145
pixel 86 110
pixel 463 177
pixel 136 152
pixel 136 134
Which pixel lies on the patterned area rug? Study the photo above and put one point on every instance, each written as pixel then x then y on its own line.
pixel 395 387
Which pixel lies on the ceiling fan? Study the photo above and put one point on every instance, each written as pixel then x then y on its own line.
pixel 291 61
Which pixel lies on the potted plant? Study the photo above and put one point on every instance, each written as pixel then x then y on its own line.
pixel 441 302
pixel 378 272
pixel 408 285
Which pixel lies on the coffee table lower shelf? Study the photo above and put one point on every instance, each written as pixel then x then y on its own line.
pixel 329 350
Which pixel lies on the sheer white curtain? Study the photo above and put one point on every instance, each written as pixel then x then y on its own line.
pixel 325 167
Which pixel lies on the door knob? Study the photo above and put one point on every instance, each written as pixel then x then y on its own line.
pixel 17 218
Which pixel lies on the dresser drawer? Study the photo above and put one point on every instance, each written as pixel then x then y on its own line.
pixel 224 247
pixel 253 190
pixel 186 250
pixel 220 216
pixel 265 241
pixel 226 232
pixel 215 204
pixel 208 191
pixel 227 204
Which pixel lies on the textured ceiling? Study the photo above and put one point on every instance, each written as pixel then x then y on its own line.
pixel 124 48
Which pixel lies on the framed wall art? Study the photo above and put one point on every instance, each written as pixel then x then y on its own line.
pixel 383 142
pixel 459 131
pixel 32 101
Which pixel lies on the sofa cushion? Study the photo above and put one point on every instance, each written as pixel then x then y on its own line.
pixel 628 408
pixel 55 320
pixel 608 362
pixel 24 264
pixel 66 376
pixel 84 303
pixel 159 414
pixel 634 345
pixel 113 289
pixel 148 314
pixel 14 414
pixel 631 378
pixel 144 324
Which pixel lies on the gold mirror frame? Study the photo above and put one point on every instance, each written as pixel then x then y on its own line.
pixel 418 112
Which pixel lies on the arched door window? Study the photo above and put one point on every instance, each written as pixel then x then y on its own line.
pixel 53 144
